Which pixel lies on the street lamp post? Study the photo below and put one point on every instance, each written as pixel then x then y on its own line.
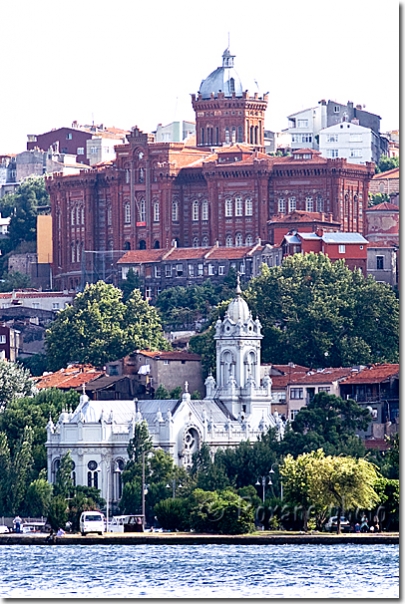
pixel 173 485
pixel 262 481
pixel 143 491
pixel 108 471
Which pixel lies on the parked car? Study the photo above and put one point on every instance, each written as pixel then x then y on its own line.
pixel 331 524
pixel 4 528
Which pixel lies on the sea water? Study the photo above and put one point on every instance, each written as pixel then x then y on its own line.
pixel 199 571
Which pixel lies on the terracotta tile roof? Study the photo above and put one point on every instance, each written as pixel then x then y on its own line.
pixel 70 377
pixel 384 206
pixel 325 376
pixel 142 256
pixel 302 216
pixel 374 374
pixel 171 355
pixel 190 253
pixel 230 253
pixel 282 381
pixel 394 173
pixel 28 295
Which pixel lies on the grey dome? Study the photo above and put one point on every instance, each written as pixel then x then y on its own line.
pixel 238 309
pixel 223 79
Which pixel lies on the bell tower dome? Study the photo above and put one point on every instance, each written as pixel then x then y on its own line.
pixel 225 113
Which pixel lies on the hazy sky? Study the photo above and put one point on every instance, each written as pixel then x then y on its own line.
pixel 133 62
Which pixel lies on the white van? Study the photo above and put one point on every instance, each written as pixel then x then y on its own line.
pixel 91 522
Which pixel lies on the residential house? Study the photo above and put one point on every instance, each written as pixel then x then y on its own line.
pixel 350 141
pixel 302 388
pixel 175 132
pixel 9 343
pixel 299 220
pixel 169 267
pixel 73 376
pixel 376 387
pixel 281 376
pixel 350 247
pixel 386 183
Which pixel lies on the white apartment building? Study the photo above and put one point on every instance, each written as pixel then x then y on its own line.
pixel 304 126
pixel 348 141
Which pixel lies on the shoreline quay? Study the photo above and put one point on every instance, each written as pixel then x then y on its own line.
pixel 202 539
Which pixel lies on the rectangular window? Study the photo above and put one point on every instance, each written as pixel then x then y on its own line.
pixel 293 414
pixel 324 389
pixel 242 268
pixel 356 153
pixel 281 206
pixel 179 270
pixel 297 393
pixel 248 207
pixel 292 204
pixel 333 153
pixel 228 207
pixel 337 109
pixel 309 204
pixel 200 270
pixel 157 271
pixel 356 138
pixel 55 305
pixel 191 270
pixel 69 136
pixel 34 305
pixel 342 249
pixel 332 138
pixel 211 269
pixel 127 177
pixel 2 339
pixel 165 362
pixel 319 204
pixel 168 270
pixel 380 263
pixel 221 270
pixel 238 206
pixel 148 293
pixel 80 151
pixel 302 123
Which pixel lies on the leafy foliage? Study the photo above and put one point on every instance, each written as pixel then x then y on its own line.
pixel 222 512
pixel 14 383
pixel 377 198
pixel 387 163
pixel 100 327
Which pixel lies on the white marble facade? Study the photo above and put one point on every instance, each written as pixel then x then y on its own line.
pixel 237 407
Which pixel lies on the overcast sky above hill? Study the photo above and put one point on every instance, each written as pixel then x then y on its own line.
pixel 130 62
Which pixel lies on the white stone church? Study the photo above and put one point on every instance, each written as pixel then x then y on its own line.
pixel 236 407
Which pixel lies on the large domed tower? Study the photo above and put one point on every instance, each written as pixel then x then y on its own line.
pixel 225 112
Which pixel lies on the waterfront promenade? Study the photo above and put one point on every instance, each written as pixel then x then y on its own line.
pixel 265 538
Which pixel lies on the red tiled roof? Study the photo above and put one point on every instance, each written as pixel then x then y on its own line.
pixel 186 253
pixel 282 381
pixel 383 206
pixel 291 368
pixel 394 173
pixel 230 253
pixel 325 376
pixel 170 355
pixel 302 216
pixel 374 374
pixel 70 377
pixel 141 256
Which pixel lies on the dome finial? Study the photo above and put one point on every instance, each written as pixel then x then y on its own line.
pixel 238 289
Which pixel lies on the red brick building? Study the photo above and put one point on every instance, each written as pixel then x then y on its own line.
pixel 225 192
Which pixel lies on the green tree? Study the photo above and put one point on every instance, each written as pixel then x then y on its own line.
pixel 14 280
pixel 35 412
pixel 222 512
pixel 162 393
pixel 5 474
pixel 21 472
pixel 58 512
pixel 14 383
pixel 99 327
pixel 138 449
pixel 387 163
pixel 377 198
pixel 30 195
pixel 312 309
pixel 173 514
pixel 327 422
pixel 344 483
pixel 387 490
pixel 133 281
pixel 38 497
pixel 63 483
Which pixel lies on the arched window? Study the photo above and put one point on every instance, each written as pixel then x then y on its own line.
pixel 204 210
pixel 73 252
pixel 142 244
pixel 127 213
pixel 249 240
pixel 78 251
pixel 319 203
pixel 156 212
pixel 142 210
pixel 238 206
pixel 55 468
pixel 228 207
pixel 110 244
pixel 229 241
pixel 292 204
pixel 195 210
pixel 309 204
pixel 72 216
pixel 77 215
pixel 195 242
pixel 248 207
pixel 82 214
pixel 281 206
pixel 156 245
pixel 175 211
pixel 92 474
pixel 109 216
pixel 141 175
pixel 127 176
pixel 205 241
pixel 240 134
pixel 127 245
pixel 238 240
pixel 227 135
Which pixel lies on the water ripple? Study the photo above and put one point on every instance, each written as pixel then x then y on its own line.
pixel 200 571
